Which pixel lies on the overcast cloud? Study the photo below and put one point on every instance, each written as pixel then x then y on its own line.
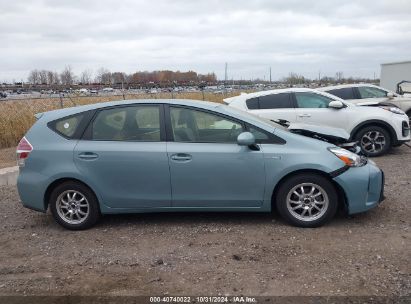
pixel 251 35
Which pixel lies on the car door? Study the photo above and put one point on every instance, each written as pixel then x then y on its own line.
pixel 123 154
pixel 273 106
pixel 313 108
pixel 208 169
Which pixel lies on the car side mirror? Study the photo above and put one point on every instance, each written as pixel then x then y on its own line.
pixel 390 95
pixel 246 139
pixel 336 104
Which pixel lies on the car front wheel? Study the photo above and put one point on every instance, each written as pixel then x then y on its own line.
pixel 307 200
pixel 374 141
pixel 74 206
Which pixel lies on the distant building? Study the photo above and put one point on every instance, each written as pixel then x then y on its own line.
pixel 393 73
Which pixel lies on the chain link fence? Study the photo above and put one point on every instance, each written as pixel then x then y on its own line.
pixel 17 115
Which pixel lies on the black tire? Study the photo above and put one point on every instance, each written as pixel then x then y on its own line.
pixel 309 179
pixel 92 210
pixel 362 137
pixel 409 115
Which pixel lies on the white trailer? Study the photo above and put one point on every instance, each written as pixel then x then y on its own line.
pixel 393 73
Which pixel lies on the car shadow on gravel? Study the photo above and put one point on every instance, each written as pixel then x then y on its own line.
pixel 222 218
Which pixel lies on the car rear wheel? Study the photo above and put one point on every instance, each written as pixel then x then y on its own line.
pixel 74 206
pixel 307 200
pixel 374 141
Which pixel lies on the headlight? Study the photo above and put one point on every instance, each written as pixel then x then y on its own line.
pixel 349 158
pixel 394 110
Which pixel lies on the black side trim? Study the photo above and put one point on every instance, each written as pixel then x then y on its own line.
pixel 382 196
pixel 340 171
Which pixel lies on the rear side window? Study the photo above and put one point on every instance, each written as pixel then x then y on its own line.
pixel 252 103
pixel 275 101
pixel 344 93
pixel 68 126
pixel 135 123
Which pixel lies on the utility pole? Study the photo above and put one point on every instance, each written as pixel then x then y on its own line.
pixel 270 75
pixel 225 74
pixel 319 76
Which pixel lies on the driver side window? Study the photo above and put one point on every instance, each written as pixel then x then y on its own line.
pixel 190 125
pixel 311 100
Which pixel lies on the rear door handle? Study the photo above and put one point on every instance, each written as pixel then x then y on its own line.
pixel 181 157
pixel 304 115
pixel 88 155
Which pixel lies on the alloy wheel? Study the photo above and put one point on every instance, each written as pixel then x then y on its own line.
pixel 72 207
pixel 373 142
pixel 307 202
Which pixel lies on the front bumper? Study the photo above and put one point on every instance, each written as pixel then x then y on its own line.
pixel 363 187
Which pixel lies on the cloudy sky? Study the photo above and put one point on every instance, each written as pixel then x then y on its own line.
pixel 250 35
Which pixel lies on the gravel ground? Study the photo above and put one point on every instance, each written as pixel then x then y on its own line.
pixel 211 254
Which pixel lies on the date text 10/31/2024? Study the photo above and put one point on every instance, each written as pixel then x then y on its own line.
pixel 203 299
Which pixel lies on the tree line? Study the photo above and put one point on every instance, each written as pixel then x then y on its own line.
pixel 104 76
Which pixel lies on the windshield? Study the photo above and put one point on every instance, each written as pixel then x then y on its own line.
pixel 251 116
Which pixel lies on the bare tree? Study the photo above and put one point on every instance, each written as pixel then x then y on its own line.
pixel 118 77
pixel 56 78
pixel 103 76
pixel 67 76
pixel 51 78
pixel 43 77
pixel 339 76
pixel 85 77
pixel 34 77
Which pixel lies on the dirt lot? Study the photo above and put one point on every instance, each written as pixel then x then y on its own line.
pixel 211 254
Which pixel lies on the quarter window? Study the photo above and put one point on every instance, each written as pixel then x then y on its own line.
pixel 252 103
pixel 136 123
pixel 370 92
pixel 311 100
pixel 190 125
pixel 68 126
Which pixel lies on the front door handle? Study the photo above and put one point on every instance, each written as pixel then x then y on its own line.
pixel 181 157
pixel 88 155
pixel 304 115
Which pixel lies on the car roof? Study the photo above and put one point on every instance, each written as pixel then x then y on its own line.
pixel 277 91
pixel 352 85
pixel 78 109
pixel 206 105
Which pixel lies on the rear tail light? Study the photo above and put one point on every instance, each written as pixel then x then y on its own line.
pixel 23 151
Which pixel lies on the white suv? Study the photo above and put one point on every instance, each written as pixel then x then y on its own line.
pixel 375 128
pixel 360 93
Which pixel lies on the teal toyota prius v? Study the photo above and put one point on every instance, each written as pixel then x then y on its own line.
pixel 185 155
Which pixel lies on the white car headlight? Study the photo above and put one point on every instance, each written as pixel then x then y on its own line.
pixel 394 110
pixel 350 159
